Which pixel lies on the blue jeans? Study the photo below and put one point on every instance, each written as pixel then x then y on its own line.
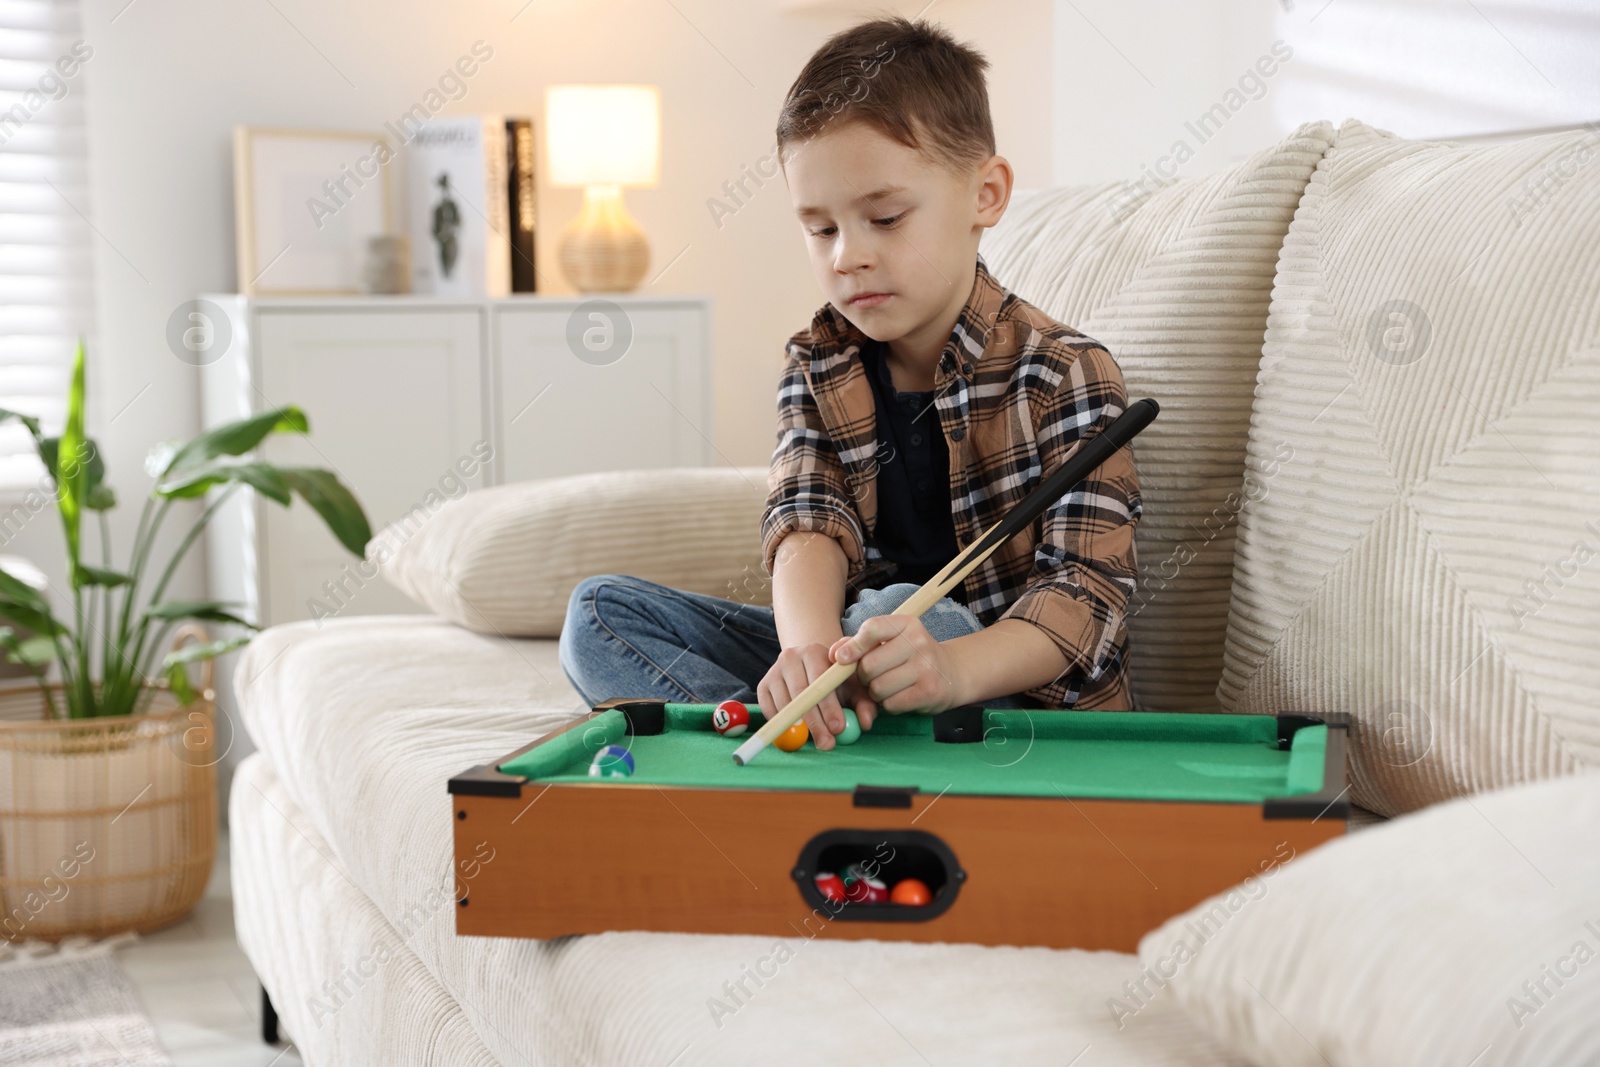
pixel 628 637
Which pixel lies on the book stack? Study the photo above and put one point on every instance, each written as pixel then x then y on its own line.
pixel 470 186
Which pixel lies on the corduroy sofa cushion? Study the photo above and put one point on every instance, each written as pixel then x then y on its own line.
pixel 1175 283
pixel 1424 551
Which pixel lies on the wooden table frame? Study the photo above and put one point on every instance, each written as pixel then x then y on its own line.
pixel 545 860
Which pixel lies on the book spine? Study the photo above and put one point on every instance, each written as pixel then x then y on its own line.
pixel 497 269
pixel 519 165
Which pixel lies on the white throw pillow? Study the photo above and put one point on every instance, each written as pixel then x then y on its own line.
pixel 1424 548
pixel 1466 935
pixel 505 560
pixel 1175 282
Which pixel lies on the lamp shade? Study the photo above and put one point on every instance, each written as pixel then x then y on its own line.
pixel 603 134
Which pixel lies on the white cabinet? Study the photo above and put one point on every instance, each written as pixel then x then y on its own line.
pixel 412 400
pixel 590 389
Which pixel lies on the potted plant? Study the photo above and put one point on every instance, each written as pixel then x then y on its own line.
pixel 108 773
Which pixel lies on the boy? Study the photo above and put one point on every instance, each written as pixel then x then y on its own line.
pixel 922 402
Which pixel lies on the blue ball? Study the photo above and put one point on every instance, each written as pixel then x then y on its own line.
pixel 852 728
pixel 613 761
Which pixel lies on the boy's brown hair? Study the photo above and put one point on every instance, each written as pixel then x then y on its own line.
pixel 911 81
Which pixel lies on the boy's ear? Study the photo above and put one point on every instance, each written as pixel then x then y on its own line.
pixel 995 179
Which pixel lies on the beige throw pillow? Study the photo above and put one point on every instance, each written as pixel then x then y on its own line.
pixel 1465 935
pixel 505 560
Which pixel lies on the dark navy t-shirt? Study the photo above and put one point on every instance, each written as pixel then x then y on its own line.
pixel 915 527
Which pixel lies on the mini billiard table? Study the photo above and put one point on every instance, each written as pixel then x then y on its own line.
pixel 1062 828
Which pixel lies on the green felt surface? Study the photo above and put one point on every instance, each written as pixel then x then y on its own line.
pixel 1130 755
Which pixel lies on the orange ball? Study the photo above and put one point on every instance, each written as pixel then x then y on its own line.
pixel 911 892
pixel 793 738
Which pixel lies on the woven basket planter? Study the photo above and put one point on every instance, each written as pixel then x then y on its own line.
pixel 106 824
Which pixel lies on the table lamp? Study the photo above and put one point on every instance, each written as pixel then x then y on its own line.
pixel 602 137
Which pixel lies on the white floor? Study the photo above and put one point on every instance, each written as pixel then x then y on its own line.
pixel 199 988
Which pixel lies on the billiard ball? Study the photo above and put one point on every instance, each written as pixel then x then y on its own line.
pixel 831 886
pixel 911 892
pixel 852 729
pixel 856 890
pixel 731 718
pixel 877 892
pixel 613 761
pixel 794 737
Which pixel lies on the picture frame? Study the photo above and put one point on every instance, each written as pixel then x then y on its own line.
pixel 305 203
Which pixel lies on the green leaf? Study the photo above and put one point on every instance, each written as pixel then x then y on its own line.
pixel 336 504
pixel 196 653
pixel 88 575
pixel 206 610
pixel 174 668
pixel 234 439
pixel 178 678
pixel 24 605
pixel 36 651
pixel 29 618
pixel 29 421
pixel 95 477
pixel 72 479
pixel 95 473
pixel 14 588
pixel 264 478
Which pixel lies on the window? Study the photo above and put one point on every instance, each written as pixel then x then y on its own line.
pixel 46 280
pixel 1432 70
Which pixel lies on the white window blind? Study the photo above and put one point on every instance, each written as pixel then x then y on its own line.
pixel 46 286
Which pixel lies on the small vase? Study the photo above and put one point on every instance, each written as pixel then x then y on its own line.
pixel 388 266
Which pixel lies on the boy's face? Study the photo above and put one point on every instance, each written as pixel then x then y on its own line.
pixel 880 218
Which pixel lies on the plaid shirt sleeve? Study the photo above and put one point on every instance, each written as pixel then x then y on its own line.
pixel 1084 568
pixel 807 487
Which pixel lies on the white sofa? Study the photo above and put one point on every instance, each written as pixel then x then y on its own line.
pixel 1377 458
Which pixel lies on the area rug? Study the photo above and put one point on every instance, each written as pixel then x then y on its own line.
pixel 71 1005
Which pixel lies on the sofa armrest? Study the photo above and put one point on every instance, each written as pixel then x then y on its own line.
pixel 505 560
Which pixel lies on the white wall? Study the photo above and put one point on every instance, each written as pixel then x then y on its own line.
pixel 1128 76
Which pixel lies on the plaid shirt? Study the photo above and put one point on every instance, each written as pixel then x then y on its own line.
pixel 1015 393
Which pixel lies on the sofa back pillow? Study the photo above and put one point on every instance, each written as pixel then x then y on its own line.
pixel 505 560
pixel 1174 280
pixel 1424 548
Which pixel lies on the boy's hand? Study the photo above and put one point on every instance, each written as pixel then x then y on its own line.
pixel 797 668
pixel 900 665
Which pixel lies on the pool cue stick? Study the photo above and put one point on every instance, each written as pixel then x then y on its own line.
pixel 1075 469
pixel 959 557
pixel 835 676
